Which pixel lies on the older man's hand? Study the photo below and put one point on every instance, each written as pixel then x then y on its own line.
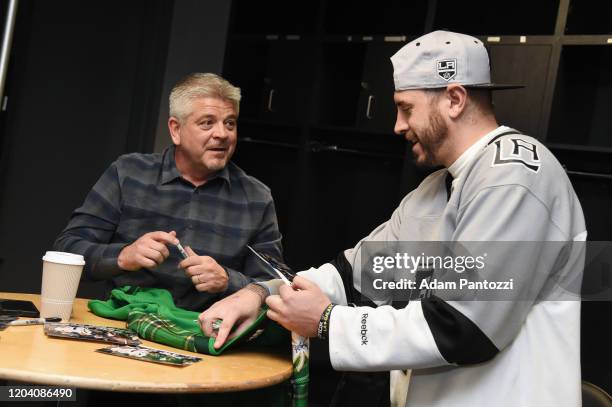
pixel 299 307
pixel 148 251
pixel 205 273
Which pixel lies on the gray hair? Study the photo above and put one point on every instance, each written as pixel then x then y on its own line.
pixel 198 85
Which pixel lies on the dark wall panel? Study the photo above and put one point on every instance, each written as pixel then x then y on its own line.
pixel 79 85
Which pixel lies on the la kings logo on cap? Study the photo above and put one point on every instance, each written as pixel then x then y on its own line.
pixel 447 69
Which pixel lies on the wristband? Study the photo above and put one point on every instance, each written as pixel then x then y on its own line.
pixel 323 330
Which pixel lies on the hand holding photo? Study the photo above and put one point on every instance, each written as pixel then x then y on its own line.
pixel 281 270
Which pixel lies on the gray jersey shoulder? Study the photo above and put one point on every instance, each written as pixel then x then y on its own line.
pixel 516 160
pixel 524 164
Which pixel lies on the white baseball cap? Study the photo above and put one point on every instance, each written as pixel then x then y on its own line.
pixel 440 58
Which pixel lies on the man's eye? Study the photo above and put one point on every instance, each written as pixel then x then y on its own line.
pixel 406 111
pixel 230 124
pixel 207 124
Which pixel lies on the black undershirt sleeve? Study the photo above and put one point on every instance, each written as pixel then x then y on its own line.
pixel 346 273
pixel 459 340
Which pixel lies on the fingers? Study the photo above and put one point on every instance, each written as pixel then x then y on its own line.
pixel 197 264
pixel 145 261
pixel 275 302
pixel 206 324
pixel 209 282
pixel 156 251
pixel 163 237
pixel 152 254
pixel 149 250
pixel 190 251
pixel 218 311
pixel 211 287
pixel 191 261
pixel 274 316
pixel 285 291
pixel 205 319
pixel 205 287
pixel 277 307
pixel 302 283
pixel 160 247
pixel 202 283
pixel 299 311
pixel 224 330
pixel 198 276
pixel 241 327
pixel 197 279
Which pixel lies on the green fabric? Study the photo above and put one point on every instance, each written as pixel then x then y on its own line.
pixel 300 352
pixel 152 314
pixel 162 330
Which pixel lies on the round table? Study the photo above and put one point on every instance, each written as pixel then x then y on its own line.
pixel 28 355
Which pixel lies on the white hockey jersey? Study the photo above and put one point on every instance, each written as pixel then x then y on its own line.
pixel 475 353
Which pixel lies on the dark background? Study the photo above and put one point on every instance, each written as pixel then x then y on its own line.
pixel 88 81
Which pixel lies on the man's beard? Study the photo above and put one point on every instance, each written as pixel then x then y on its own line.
pixel 431 139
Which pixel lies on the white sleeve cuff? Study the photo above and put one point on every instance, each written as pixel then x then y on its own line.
pixel 383 338
pixel 272 286
pixel 329 281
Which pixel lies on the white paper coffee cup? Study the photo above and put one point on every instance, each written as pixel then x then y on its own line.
pixel 60 281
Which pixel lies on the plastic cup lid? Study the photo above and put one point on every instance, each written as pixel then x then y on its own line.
pixel 64 258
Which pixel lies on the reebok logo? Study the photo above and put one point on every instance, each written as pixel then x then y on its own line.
pixel 364 329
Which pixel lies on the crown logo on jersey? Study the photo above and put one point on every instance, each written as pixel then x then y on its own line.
pixel 447 69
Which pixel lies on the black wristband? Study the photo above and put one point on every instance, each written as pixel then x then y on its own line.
pixel 323 330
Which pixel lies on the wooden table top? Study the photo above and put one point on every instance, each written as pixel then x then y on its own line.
pixel 28 355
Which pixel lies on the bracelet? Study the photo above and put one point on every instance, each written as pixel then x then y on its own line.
pixel 323 330
pixel 259 290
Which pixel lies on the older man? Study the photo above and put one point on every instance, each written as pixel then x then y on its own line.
pixel 474 348
pixel 144 204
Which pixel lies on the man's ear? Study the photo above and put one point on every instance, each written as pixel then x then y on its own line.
pixel 457 100
pixel 174 126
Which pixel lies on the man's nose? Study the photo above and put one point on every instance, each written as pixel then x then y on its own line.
pixel 401 125
pixel 220 131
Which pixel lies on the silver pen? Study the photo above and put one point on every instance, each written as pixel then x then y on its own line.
pixel 180 248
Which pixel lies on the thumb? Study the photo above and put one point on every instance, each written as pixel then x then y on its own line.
pixel 172 232
pixel 190 251
pixel 302 283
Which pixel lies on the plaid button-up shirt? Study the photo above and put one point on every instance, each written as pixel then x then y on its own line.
pixel 141 193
